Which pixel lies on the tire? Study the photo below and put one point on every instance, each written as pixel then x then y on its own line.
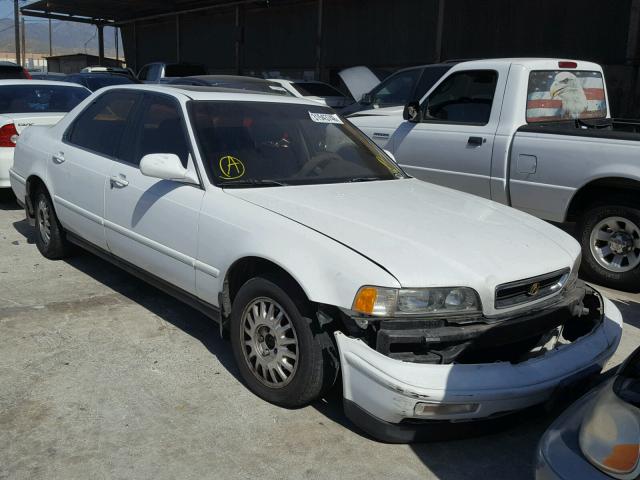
pixel 616 269
pixel 50 236
pixel 299 381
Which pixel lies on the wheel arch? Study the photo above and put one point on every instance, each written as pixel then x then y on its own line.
pixel 33 184
pixel 245 268
pixel 598 191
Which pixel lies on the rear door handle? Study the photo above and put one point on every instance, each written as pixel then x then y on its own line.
pixel 475 141
pixel 58 157
pixel 119 182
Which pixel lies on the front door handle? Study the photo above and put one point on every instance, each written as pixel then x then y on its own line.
pixel 58 157
pixel 477 141
pixel 119 182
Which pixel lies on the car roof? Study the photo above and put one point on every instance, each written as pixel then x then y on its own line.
pixel 4 83
pixel 201 93
pixel 228 78
pixel 100 74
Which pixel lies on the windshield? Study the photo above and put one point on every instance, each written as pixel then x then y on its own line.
pixel 40 98
pixel 181 70
pixel 99 81
pixel 253 143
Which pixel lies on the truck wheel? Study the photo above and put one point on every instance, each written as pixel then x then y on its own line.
pixel 50 236
pixel 610 239
pixel 283 355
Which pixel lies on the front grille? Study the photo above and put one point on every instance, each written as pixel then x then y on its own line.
pixel 530 289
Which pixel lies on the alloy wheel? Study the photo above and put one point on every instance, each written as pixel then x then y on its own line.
pixel 615 244
pixel 269 342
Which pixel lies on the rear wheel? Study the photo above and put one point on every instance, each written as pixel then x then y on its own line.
pixel 610 239
pixel 283 355
pixel 50 237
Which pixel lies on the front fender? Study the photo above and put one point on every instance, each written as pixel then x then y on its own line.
pixel 231 229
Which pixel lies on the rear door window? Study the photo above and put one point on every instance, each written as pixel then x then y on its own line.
pixel 464 97
pixel 556 95
pixel 101 126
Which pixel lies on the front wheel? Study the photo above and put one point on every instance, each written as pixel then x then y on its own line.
pixel 610 239
pixel 283 355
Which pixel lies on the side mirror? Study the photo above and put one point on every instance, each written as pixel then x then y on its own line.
pixel 412 112
pixel 366 99
pixel 166 166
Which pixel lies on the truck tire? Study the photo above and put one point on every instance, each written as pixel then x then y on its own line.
pixel 50 236
pixel 283 355
pixel 610 239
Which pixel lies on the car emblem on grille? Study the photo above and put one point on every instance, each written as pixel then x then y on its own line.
pixel 534 289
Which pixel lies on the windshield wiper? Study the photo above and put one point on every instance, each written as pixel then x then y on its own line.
pixel 364 179
pixel 252 182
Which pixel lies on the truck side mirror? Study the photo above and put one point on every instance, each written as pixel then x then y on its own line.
pixel 366 99
pixel 412 112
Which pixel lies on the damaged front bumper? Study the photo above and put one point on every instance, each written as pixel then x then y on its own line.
pixel 391 398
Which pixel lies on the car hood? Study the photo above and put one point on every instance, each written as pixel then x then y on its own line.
pixel 426 235
pixel 359 80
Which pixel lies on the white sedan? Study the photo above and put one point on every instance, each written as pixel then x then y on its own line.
pixel 317 253
pixel 31 102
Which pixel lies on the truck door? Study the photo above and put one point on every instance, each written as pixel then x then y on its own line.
pixel 452 145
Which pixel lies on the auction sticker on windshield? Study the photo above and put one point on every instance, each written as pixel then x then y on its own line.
pixel 325 118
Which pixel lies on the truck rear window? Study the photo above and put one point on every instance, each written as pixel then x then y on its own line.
pixel 555 95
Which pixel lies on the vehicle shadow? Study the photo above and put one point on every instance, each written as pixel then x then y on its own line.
pixel 8 200
pixel 169 309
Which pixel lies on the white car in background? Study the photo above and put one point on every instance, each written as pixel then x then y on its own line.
pixel 317 253
pixel 317 91
pixel 31 102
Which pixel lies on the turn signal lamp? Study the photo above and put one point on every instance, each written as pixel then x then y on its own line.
pixel 610 433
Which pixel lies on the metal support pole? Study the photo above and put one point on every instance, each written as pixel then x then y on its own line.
pixel 100 44
pixel 116 40
pixel 319 42
pixel 239 26
pixel 439 29
pixel 135 48
pixel 178 38
pixel 16 21
pixel 50 40
pixel 24 46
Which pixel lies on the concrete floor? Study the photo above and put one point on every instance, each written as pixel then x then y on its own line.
pixel 102 376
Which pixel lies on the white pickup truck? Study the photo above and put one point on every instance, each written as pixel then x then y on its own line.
pixel 535 134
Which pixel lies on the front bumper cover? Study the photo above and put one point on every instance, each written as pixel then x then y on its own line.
pixel 386 389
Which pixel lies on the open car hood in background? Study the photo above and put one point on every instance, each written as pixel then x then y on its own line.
pixel 359 80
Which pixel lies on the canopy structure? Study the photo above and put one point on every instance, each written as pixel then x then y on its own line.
pixel 118 12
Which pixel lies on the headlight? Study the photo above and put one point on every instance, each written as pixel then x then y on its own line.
pixel 387 302
pixel 610 432
pixel 573 274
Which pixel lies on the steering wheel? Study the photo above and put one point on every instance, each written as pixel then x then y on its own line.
pixel 319 161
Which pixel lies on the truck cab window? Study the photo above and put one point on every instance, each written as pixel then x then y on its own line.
pixel 463 97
